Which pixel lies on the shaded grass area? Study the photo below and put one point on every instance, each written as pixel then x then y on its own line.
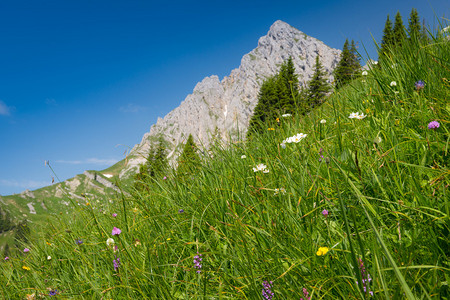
pixel 359 208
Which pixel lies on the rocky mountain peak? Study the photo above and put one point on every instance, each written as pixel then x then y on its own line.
pixel 227 105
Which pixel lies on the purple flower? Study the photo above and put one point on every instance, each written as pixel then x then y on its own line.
pixel 198 262
pixel 366 279
pixel 53 292
pixel 266 291
pixel 26 250
pixel 6 258
pixel 305 294
pixel 433 125
pixel 116 263
pixel 79 242
pixel 181 211
pixel 116 231
pixel 419 85
pixel 114 215
pixel 325 213
pixel 165 177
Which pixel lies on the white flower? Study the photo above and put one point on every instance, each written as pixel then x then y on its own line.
pixel 49 257
pixel 110 242
pixel 377 140
pixel 323 121
pixel 393 83
pixel 396 92
pixel 283 145
pixel 353 115
pixel 260 167
pixel 361 116
pixel 293 139
pixel 266 171
pixel 280 190
pixel 375 62
pixel 286 115
pixel 243 156
pixel 357 115
pixel 364 73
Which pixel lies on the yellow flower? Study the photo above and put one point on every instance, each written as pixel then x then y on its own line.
pixel 322 251
pixel 397 121
pixel 367 110
pixel 26 268
pixel 270 128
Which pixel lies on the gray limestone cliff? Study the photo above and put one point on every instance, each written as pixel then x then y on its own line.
pixel 227 105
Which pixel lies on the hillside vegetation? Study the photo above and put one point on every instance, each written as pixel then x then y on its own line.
pixel 350 201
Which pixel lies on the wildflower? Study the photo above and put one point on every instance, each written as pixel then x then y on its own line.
pixel 198 262
pixel 305 294
pixel 396 92
pixel 181 211
pixel 30 296
pixel 26 268
pixel 294 139
pixel 266 171
pixel 114 215
pixel 433 125
pixel 361 116
pixel 283 145
pixel 393 83
pixel 6 258
pixel 270 128
pixel 261 167
pixel 110 242
pixel 165 177
pixel 280 190
pixel 325 213
pixel 116 263
pixel 49 257
pixel 116 231
pixel 364 73
pixel 137 242
pixel 365 276
pixel 323 121
pixel 353 115
pixel 322 251
pixel 375 62
pixel 79 242
pixel 53 292
pixel 135 210
pixel 357 115
pixel 243 156
pixel 419 85
pixel 286 115
pixel 26 250
pixel 266 291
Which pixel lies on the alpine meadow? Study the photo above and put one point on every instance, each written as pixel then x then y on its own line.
pixel 338 188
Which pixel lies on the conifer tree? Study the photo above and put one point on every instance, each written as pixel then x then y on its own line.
pixel 388 38
pixel 267 102
pixel 355 64
pixel 424 34
pixel 189 161
pixel 288 87
pixel 155 164
pixel 344 69
pixel 414 30
pixel 318 87
pixel 399 31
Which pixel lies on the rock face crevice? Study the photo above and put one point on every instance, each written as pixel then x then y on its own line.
pixel 226 106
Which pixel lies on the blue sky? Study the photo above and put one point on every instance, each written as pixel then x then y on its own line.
pixel 82 81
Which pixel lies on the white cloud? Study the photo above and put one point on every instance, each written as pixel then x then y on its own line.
pixel 4 109
pixel 90 161
pixel 132 108
pixel 25 184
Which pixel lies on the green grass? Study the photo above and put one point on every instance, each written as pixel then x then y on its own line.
pixel 383 180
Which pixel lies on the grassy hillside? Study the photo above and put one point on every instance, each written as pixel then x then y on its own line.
pixel 355 208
